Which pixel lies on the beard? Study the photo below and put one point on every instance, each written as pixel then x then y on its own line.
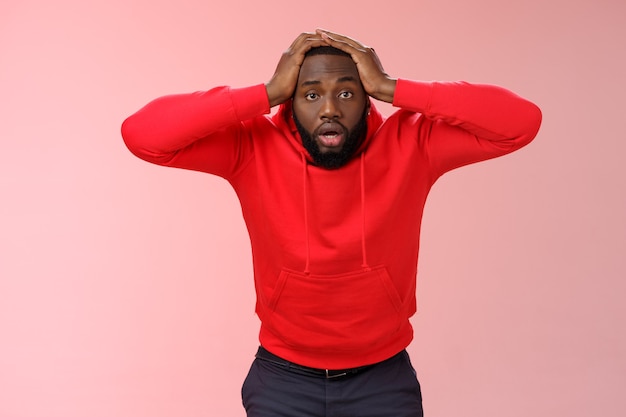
pixel 330 159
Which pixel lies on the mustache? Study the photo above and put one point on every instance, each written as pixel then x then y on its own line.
pixel 333 160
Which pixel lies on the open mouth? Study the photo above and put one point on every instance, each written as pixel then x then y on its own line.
pixel 331 135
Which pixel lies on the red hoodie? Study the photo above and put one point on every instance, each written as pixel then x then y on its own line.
pixel 334 251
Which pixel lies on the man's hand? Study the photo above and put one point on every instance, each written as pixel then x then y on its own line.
pixel 283 83
pixel 375 80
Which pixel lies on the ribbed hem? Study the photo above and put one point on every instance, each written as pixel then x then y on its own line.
pixel 333 357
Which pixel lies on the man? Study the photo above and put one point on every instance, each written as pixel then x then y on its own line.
pixel 332 194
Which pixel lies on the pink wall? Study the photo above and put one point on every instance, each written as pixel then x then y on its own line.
pixel 125 288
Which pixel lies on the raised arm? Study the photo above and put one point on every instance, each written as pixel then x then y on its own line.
pixel 467 122
pixel 195 131
pixel 204 130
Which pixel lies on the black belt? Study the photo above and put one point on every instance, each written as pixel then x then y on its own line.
pixel 265 355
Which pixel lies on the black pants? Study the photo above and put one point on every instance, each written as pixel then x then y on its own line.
pixel 275 388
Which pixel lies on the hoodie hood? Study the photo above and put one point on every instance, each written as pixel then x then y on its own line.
pixel 284 119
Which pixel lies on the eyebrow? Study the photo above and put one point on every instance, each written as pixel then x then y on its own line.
pixel 346 78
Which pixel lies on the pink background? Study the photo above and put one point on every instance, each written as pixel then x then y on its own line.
pixel 126 288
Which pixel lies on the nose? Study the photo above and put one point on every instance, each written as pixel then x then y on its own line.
pixel 330 109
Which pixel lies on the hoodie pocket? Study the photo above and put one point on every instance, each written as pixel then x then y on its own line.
pixel 342 312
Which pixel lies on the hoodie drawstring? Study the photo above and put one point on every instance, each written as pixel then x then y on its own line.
pixel 363 250
pixel 306 213
pixel 305 196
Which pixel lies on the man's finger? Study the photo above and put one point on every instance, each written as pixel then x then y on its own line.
pixel 341 40
pixel 306 41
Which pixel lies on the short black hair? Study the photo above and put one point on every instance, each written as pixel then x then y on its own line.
pixel 326 50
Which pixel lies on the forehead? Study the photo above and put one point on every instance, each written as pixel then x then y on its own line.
pixel 327 68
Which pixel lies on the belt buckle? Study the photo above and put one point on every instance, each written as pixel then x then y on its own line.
pixel 331 374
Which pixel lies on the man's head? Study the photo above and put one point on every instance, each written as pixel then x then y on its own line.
pixel 330 106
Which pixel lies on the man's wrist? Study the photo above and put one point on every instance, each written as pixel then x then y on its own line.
pixel 386 90
pixel 274 94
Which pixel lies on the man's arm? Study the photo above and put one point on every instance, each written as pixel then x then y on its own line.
pixel 467 122
pixel 204 131
pixel 197 131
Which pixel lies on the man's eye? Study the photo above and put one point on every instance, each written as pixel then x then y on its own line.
pixel 311 96
pixel 345 94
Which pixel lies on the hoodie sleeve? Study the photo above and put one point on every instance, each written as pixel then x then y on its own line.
pixel 466 123
pixel 202 131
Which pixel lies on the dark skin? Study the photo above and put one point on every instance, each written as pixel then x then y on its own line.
pixel 329 100
pixel 329 92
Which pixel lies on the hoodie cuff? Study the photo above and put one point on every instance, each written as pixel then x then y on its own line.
pixel 249 102
pixel 413 95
